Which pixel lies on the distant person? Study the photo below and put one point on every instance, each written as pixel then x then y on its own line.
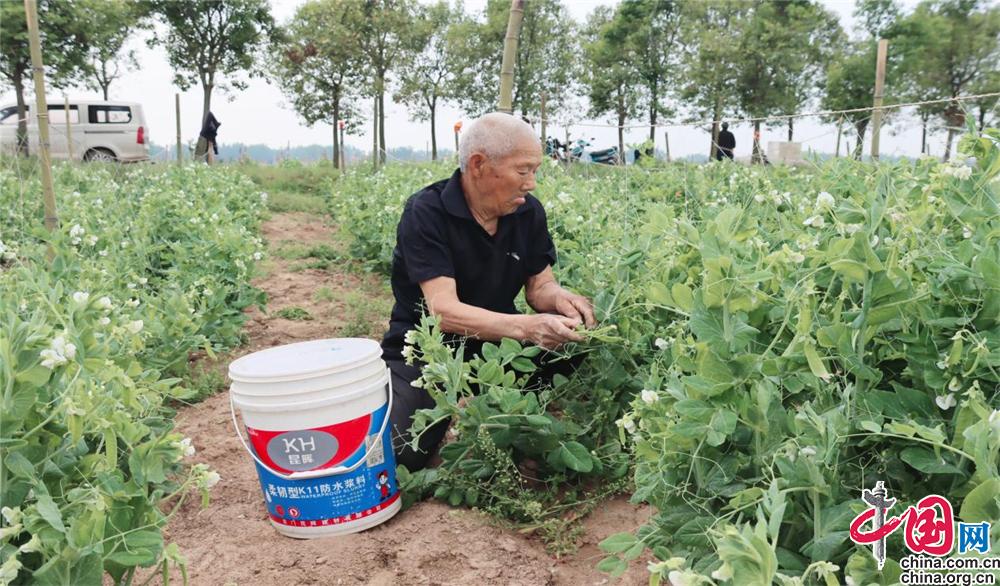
pixel 206 139
pixel 725 144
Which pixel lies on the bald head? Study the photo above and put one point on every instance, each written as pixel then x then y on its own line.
pixel 495 136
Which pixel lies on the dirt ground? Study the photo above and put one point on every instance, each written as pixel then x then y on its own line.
pixel 231 542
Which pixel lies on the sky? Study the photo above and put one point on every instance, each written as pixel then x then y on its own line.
pixel 262 115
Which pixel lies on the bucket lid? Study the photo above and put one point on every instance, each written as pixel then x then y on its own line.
pixel 305 360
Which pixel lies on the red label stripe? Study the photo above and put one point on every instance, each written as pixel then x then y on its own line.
pixel 337 520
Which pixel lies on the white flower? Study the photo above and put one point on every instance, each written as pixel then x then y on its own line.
pixel 852 228
pixel 263 197
pixel 131 285
pixel 807 451
pixel 849 581
pixel 814 221
pixel 187 448
pixel 824 201
pixel 81 297
pixel 103 252
pixel 104 303
pixel 874 241
pixel 946 401
pixel 966 232
pixel 661 344
pixel 418 383
pixel 410 337
pixel 76 231
pixel 9 569
pixel 796 257
pixel 133 302
pixel 955 384
pixel 33 545
pixel 957 171
pixel 143 280
pixel 91 240
pixel 759 198
pixel 135 327
pixel 677 578
pixel 210 479
pixel 563 196
pixel 627 423
pixel 649 397
pixel 58 353
pixel 104 321
pixel 12 516
pixel 257 256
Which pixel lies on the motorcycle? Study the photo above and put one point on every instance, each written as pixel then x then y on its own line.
pixel 582 152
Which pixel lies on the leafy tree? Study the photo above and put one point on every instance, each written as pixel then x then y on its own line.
pixel 850 81
pixel 110 24
pixel 783 50
pixel 947 47
pixel 65 42
pixel 387 36
pixel 207 41
pixel 317 64
pixel 653 30
pixel 428 77
pixel 712 33
pixel 611 81
pixel 546 50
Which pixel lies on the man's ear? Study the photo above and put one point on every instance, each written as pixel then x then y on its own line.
pixel 476 164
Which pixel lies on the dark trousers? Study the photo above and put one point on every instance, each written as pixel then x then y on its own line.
pixel 407 399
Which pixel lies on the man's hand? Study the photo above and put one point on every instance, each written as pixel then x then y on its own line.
pixel 551 331
pixel 575 306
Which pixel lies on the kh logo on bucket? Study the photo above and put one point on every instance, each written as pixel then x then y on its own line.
pixel 310 449
pixel 928 526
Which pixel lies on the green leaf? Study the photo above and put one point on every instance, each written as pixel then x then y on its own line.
pixel 612 565
pixel 618 542
pixel 683 297
pixel 48 510
pixel 576 457
pixel 982 503
pixel 694 409
pixel 35 376
pixel 815 363
pixel 19 465
pixel 851 270
pixel 659 294
pixel 926 461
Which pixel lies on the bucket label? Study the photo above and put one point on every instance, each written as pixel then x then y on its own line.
pixel 338 498
pixel 310 449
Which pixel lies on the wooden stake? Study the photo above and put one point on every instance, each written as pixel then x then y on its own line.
pixel 509 56
pixel 883 46
pixel 42 115
pixel 177 115
pixel 343 157
pixel 839 129
pixel 69 129
pixel 666 140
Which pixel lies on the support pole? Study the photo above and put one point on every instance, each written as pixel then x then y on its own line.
pixel 42 116
pixel 883 46
pixel 458 128
pixel 343 157
pixel 69 129
pixel 509 56
pixel 666 140
pixel 177 116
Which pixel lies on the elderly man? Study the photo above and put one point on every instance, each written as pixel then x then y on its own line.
pixel 465 247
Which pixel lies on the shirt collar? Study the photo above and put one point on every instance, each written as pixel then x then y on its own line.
pixel 453 198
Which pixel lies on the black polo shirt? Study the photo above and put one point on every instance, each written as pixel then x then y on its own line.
pixel 438 237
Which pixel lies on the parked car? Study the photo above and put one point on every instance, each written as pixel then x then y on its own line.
pixel 101 131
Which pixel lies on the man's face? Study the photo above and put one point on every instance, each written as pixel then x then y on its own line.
pixel 505 182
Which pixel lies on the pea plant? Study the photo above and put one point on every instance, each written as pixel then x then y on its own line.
pixel 148 267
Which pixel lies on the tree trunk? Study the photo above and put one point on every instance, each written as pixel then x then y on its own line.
pixel 859 128
pixel 434 140
pixel 758 156
pixel 22 112
pixel 621 129
pixel 716 114
pixel 947 146
pixel 381 118
pixel 923 134
pixel 336 132
pixel 202 147
pixel 790 127
pixel 104 89
pixel 375 157
pixel 653 112
pixel 206 104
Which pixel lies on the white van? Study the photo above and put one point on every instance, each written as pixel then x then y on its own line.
pixel 101 131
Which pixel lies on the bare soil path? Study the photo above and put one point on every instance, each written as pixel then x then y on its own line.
pixel 231 541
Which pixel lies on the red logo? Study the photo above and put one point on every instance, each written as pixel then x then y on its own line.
pixel 929 529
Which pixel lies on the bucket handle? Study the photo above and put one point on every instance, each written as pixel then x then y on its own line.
pixel 337 470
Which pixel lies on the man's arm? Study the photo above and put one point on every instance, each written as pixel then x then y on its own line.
pixel 544 295
pixel 546 330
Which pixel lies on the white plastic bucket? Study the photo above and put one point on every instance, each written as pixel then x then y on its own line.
pixel 317 417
